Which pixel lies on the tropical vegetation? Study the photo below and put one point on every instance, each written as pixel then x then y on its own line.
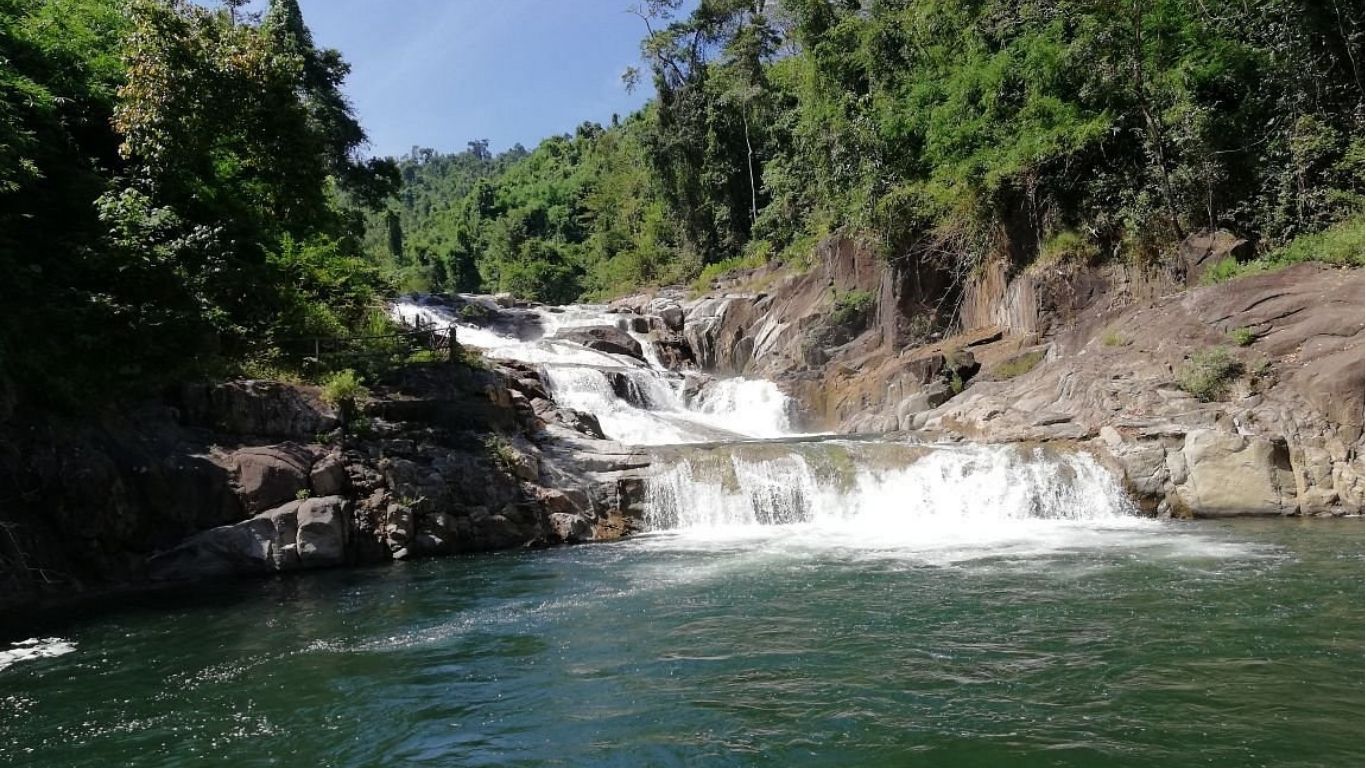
pixel 180 193
pixel 184 189
pixel 944 130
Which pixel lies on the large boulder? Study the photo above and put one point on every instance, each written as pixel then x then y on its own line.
pixel 266 543
pixel 242 548
pixel 1229 474
pixel 438 533
pixel 604 338
pixel 261 408
pixel 1201 250
pixel 321 536
pixel 672 317
pixel 1145 463
pixel 491 532
pixel 626 388
pixel 580 421
pixel 271 475
pixel 328 476
pixel 674 353
pixel 569 528
pixel 399 523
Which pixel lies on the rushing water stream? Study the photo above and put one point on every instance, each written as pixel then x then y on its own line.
pixel 799 602
pixel 726 409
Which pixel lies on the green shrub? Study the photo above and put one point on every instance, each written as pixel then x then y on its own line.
pixel 501 451
pixel 1340 245
pixel 1228 268
pixel 754 258
pixel 1208 373
pixel 425 357
pixel 474 311
pixel 472 358
pixel 344 387
pixel 1243 337
pixel 1112 338
pixel 852 308
pixel 269 366
pixel 361 426
pixel 1067 247
pixel 1019 365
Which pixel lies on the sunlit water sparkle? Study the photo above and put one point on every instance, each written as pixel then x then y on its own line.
pixel 1049 642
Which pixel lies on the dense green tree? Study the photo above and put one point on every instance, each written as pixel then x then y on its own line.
pixel 174 199
pixel 58 81
pixel 949 131
pixel 580 214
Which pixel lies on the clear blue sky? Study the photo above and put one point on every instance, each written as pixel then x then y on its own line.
pixel 439 73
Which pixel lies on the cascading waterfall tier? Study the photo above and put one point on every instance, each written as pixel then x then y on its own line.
pixel 750 472
pixel 637 402
pixel 890 487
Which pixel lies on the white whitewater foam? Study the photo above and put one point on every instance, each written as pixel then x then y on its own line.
pixel 588 390
pixel 727 409
pixel 35 648
pixel 952 494
pixel 993 507
pixel 754 407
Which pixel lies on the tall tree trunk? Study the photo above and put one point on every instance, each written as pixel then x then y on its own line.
pixel 749 165
pixel 1152 124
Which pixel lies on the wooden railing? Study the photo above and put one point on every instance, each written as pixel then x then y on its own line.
pixel 347 351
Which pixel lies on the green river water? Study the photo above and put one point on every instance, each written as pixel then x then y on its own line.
pixel 1050 644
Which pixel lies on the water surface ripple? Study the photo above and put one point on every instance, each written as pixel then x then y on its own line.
pixel 1214 644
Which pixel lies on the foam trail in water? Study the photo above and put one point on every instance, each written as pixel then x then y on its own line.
pixel 35 648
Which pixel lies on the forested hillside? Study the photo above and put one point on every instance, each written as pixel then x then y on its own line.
pixel 170 179
pixel 1078 130
pixel 183 188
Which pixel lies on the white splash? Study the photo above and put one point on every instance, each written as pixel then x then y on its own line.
pixel 754 407
pixel 35 648
pixel 943 491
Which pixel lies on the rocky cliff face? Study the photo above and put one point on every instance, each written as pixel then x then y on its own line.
pixel 1090 355
pixel 255 478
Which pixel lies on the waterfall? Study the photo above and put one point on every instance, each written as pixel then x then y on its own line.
pixel 889 487
pixel 753 406
pixel 750 474
pixel 636 401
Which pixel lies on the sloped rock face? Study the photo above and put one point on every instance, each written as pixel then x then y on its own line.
pixel 849 371
pixel 604 339
pixel 1083 355
pixel 261 408
pixel 301 534
pixel 1287 439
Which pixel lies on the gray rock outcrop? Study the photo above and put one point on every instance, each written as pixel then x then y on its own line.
pixel 604 338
